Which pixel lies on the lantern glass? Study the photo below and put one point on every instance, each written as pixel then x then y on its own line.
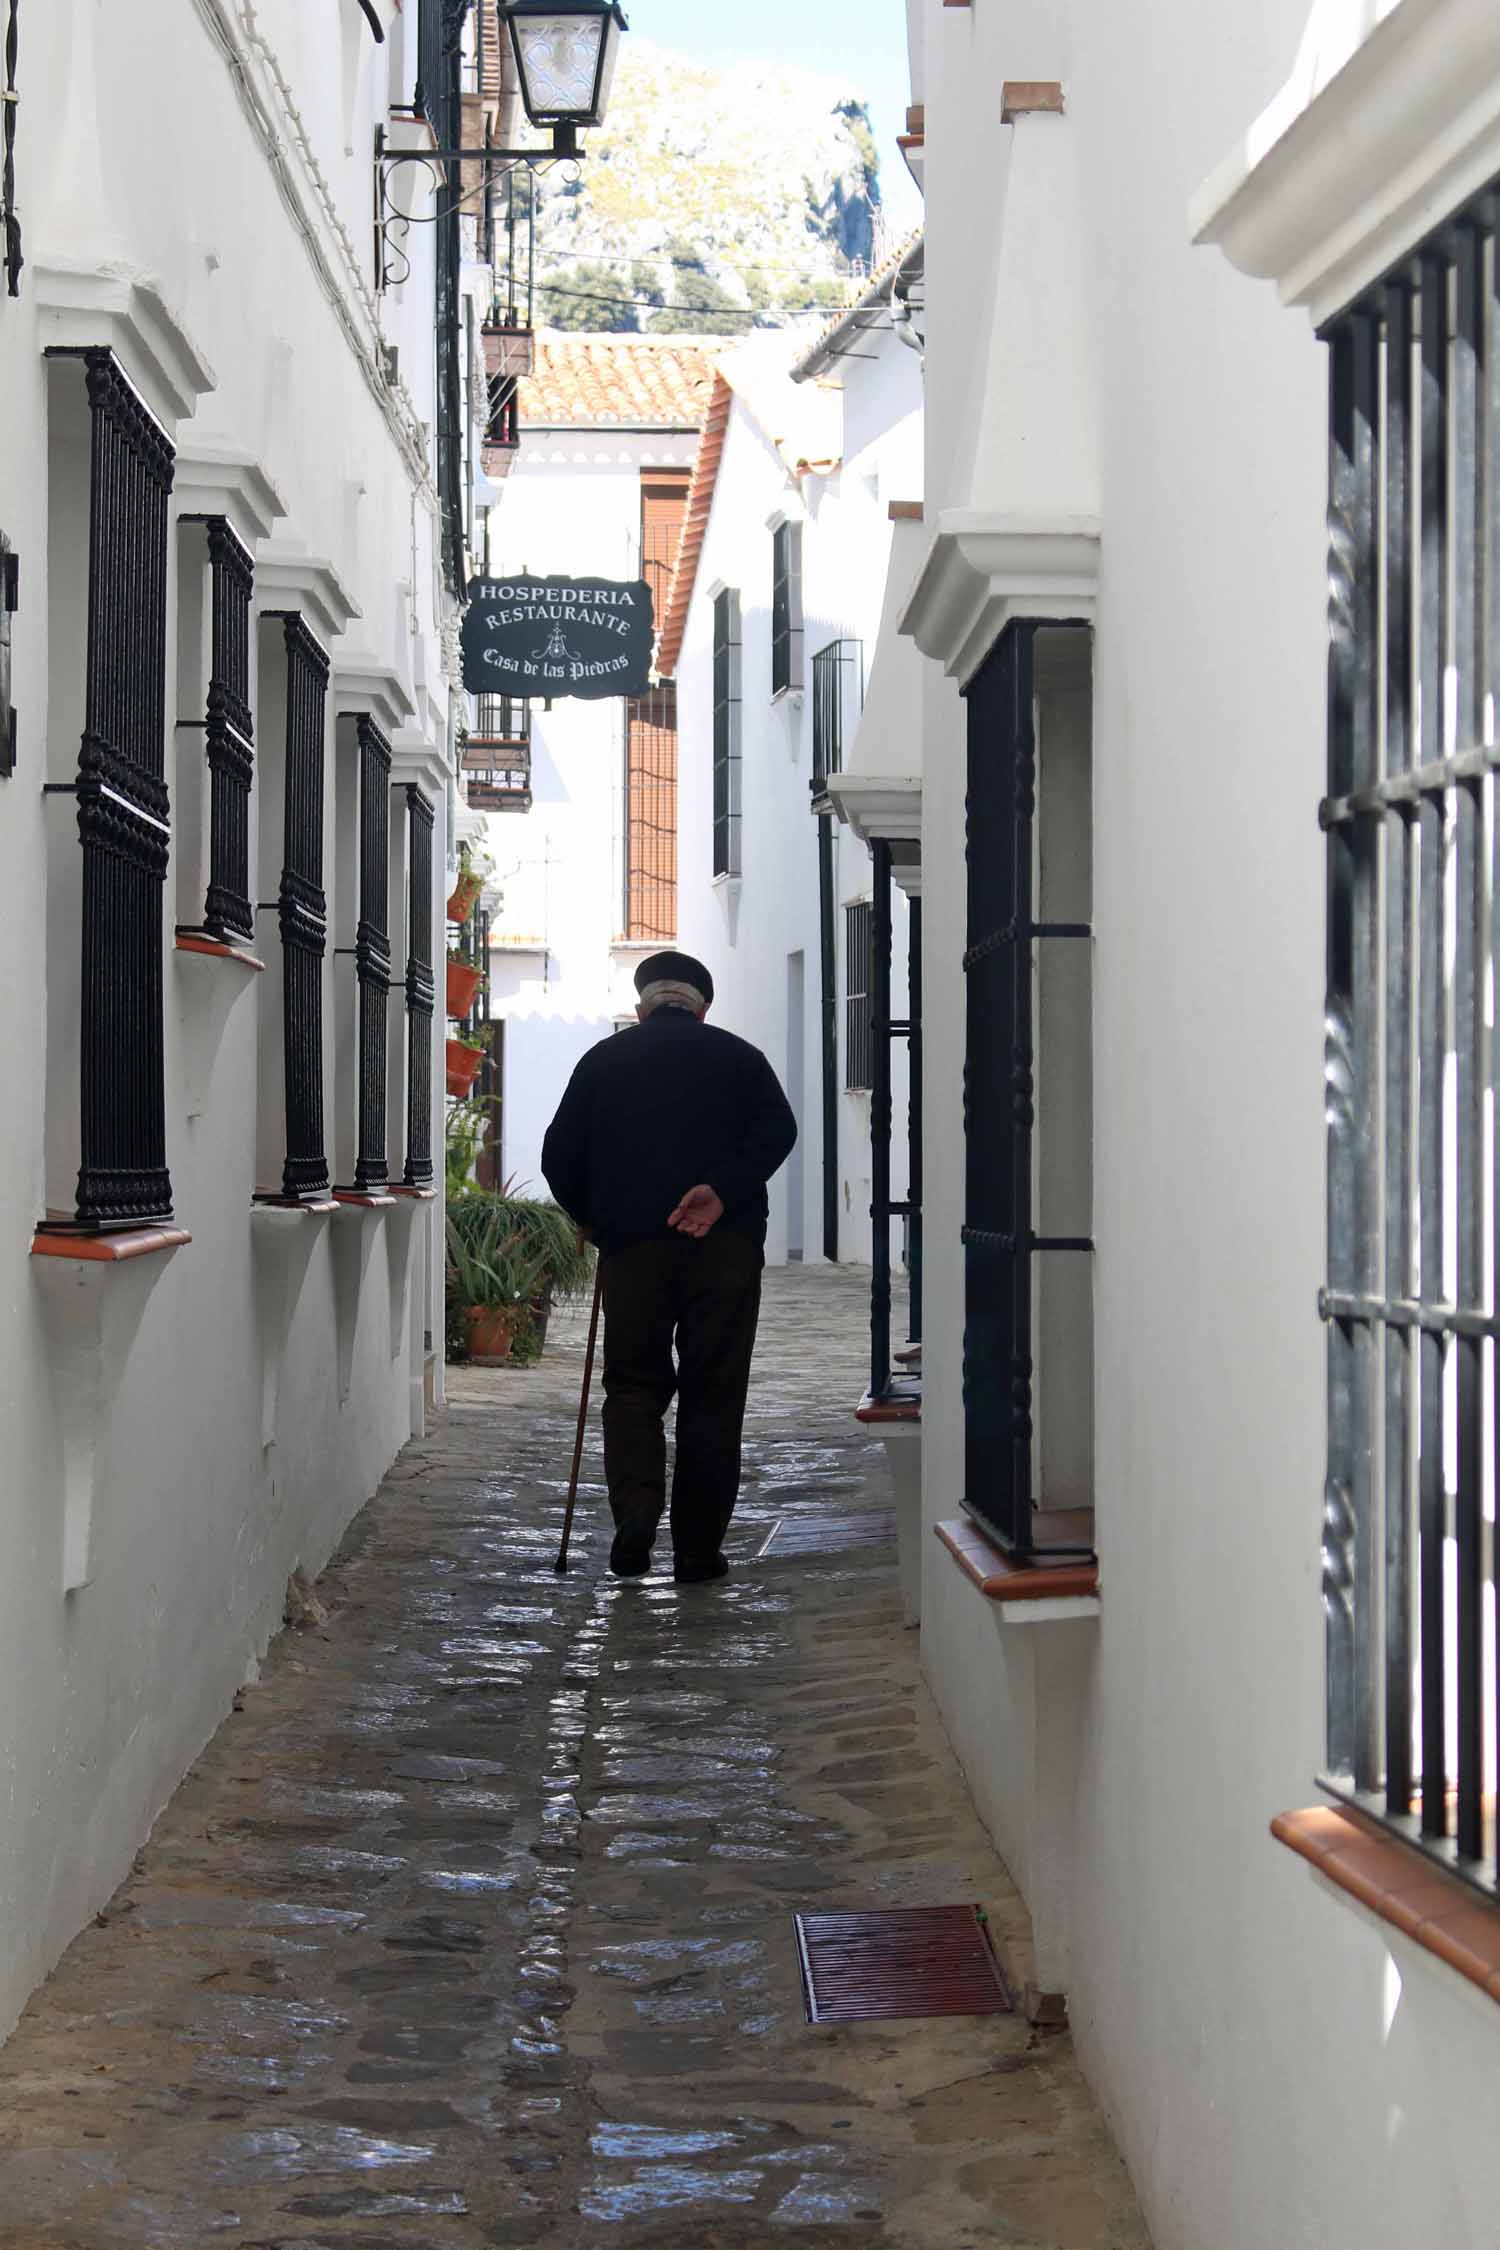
pixel 565 55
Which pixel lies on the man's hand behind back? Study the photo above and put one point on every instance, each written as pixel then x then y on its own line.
pixel 699 1210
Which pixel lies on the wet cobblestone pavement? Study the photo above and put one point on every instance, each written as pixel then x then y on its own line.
pixel 473 1926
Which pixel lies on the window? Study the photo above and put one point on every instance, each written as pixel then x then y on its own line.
pixel 1028 1099
pixel 727 733
pixel 213 796
pixel 786 608
pixel 1412 889
pixel 121 791
pixel 370 767
pixel 421 990
pixel 858 1024
pixel 651 814
pixel 10 591
pixel 294 675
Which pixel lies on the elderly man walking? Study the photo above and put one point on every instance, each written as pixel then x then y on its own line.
pixel 661 1150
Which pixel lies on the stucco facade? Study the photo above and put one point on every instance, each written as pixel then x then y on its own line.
pixel 1125 435
pixel 188 1423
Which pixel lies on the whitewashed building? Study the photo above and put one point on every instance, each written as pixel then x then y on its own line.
pixel 579 799
pixel 233 521
pixel 1189 1358
pixel 811 447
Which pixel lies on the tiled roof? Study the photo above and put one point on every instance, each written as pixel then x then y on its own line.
pixel 700 502
pixel 867 310
pixel 585 382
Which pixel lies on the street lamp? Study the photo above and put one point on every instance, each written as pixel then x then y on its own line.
pixel 565 53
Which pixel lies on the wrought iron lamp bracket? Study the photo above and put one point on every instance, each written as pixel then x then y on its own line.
pixel 392 223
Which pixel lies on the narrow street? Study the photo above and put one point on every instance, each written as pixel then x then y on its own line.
pixel 474 1924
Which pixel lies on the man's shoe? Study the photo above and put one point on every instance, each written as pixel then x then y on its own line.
pixel 630 1555
pixel 691 1571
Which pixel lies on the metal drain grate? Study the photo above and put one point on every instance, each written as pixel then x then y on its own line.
pixel 830 1535
pixel 905 1961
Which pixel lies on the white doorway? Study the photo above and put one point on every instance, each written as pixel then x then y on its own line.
pixel 796 1065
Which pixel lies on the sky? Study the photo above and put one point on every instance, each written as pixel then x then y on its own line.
pixel 860 42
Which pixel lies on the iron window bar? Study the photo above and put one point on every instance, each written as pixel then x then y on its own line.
pixel 885 1030
pixel 1413 942
pixel 838 672
pixel 229 734
pixel 302 911
pixel 786 608
pixel 372 955
pixel 421 990
pixel 726 732
pixel 998 1235
pixel 859 1010
pixel 123 817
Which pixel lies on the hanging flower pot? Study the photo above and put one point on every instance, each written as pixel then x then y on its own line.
pixel 464 980
pixel 492 1331
pixel 465 895
pixel 463 1066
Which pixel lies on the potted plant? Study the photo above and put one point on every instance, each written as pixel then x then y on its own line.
pixel 565 1267
pixel 464 980
pixel 492 1276
pixel 464 1057
pixel 473 868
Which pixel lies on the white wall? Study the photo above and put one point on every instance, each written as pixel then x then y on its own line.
pixel 748 930
pixel 571 503
pixel 178 245
pixel 1278 2076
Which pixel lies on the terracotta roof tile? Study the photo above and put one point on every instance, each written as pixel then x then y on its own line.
pixel 700 502
pixel 603 382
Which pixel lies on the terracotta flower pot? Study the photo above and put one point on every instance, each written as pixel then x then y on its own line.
pixel 465 892
pixel 463 1066
pixel 491 1333
pixel 463 983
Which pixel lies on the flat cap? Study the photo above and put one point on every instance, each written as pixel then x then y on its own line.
pixel 674 968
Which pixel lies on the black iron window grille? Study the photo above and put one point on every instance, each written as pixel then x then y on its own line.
pixel 1413 1058
pixel 786 607
pixel 859 1039
pixel 838 698
pixel 229 735
pixel 726 732
pixel 884 1030
pixel 372 954
pixel 1002 1243
pixel 123 822
pixel 302 910
pixel 10 595
pixel 10 102
pixel 421 990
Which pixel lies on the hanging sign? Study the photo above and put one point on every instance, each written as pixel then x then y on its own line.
pixel 557 636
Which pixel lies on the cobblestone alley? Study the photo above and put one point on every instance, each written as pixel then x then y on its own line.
pixel 473 1925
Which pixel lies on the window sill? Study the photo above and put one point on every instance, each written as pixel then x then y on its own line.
pixel 1433 1910
pixel 792 693
pixel 217 949
pixel 60 1240
pixel 1032 1592
pixel 727 882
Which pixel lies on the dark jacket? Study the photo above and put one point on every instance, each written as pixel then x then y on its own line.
pixel 669 1105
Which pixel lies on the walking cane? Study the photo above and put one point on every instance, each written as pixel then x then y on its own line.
pixel 561 1564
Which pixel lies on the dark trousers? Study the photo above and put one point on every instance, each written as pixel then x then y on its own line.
pixel 705 1296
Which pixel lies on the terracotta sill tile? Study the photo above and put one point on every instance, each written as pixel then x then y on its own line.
pixel 406 1194
pixel 1433 1910
pixel 107 1249
pixel 1003 1580
pixel 199 941
pixel 356 1200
